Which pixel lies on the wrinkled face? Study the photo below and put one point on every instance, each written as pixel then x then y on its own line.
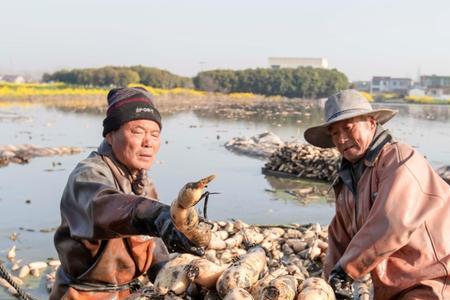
pixel 136 143
pixel 352 137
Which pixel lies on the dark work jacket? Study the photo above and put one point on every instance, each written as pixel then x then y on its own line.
pixel 97 241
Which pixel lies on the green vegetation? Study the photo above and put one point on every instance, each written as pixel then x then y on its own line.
pixel 302 82
pixel 119 76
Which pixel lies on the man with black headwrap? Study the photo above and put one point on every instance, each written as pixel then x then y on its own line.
pixel 110 216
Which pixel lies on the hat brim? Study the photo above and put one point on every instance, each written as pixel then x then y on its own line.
pixel 320 137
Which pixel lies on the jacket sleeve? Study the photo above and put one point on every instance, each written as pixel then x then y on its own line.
pixel 95 209
pixel 338 240
pixel 409 192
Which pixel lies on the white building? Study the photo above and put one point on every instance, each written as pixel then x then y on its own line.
pixel 13 78
pixel 417 92
pixel 295 62
pixel 386 84
pixel 435 86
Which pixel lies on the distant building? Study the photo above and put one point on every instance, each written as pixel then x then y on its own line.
pixel 13 78
pixel 295 62
pixel 416 92
pixel 379 84
pixel 434 81
pixel 436 86
pixel 363 86
pixel 386 84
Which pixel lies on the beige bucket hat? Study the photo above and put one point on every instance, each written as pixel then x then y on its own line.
pixel 344 105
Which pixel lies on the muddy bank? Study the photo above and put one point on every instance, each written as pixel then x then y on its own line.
pixel 22 154
pixel 289 159
pixel 212 105
pixel 278 110
pixel 261 145
pixel 304 161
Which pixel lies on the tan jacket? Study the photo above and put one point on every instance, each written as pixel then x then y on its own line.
pixel 398 228
pixel 97 241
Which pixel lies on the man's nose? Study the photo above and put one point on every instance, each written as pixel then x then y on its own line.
pixel 341 138
pixel 146 142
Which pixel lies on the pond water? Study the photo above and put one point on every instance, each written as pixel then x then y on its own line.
pixel 192 147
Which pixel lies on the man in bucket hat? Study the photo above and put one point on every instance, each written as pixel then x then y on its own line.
pixel 109 208
pixel 392 210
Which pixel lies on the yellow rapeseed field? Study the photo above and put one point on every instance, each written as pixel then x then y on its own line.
pixel 368 96
pixel 56 89
pixel 426 100
pixel 18 90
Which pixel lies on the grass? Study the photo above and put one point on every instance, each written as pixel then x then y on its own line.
pixel 78 98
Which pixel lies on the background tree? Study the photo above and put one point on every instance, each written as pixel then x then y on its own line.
pixel 303 82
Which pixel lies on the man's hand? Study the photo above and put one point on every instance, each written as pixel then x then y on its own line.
pixel 153 218
pixel 174 240
pixel 341 283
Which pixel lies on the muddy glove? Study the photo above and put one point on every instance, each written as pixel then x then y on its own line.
pixel 175 241
pixel 154 219
pixel 341 283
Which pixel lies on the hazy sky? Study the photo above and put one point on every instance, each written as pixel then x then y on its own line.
pixel 360 38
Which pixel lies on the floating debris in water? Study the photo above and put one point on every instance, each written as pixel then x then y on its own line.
pixel 11 253
pixel 13 236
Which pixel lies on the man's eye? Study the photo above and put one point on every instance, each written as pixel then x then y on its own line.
pixel 137 132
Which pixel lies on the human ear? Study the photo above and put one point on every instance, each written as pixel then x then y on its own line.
pixel 109 137
pixel 373 123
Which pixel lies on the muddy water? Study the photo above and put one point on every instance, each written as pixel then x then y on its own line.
pixel 192 147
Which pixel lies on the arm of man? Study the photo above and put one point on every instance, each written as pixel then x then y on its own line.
pixel 408 194
pixel 338 240
pixel 95 209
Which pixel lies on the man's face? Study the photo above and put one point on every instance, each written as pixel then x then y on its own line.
pixel 136 143
pixel 352 137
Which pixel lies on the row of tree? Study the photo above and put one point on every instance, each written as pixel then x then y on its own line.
pixel 120 76
pixel 302 82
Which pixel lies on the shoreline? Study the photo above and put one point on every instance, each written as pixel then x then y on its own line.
pixel 232 106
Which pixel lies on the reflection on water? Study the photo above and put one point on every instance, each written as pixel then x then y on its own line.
pixel 417 111
pixel 192 148
pixel 302 191
pixel 288 116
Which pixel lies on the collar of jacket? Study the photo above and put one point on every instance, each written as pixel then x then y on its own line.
pixel 382 137
pixel 349 173
pixel 137 181
pixel 105 149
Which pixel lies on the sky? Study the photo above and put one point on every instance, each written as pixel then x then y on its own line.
pixel 362 38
